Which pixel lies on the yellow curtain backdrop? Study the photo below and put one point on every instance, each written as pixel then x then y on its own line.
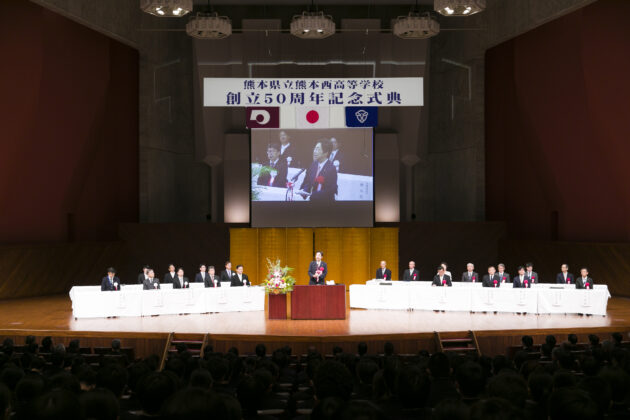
pixel 352 254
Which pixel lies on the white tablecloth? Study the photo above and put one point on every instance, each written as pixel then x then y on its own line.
pixel 541 299
pixel 131 300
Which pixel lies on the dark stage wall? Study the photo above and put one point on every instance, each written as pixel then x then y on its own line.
pixel 69 129
pixel 557 128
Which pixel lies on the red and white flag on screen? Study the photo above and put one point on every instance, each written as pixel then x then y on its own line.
pixel 312 117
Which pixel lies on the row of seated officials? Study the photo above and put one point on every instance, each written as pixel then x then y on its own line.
pixel 525 277
pixel 206 275
pixel 590 383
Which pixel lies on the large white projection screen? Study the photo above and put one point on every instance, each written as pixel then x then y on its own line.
pixel 312 177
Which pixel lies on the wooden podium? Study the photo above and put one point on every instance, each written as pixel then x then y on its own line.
pixel 277 306
pixel 318 302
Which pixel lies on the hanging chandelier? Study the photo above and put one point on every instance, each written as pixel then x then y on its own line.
pixel 312 25
pixel 459 7
pixel 416 26
pixel 167 8
pixel 209 26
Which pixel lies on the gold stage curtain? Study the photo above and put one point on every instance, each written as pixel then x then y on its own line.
pixel 352 254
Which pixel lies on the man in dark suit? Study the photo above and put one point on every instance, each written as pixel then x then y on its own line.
pixel 521 280
pixel 239 278
pixel 277 175
pixel 531 274
pixel 470 275
pixel 170 275
pixel 317 270
pixel 287 151
pixel 320 180
pixel 180 281
pixel 491 279
pixel 201 276
pixel 336 156
pixel 227 274
pixel 212 280
pixel 110 282
pixel 383 273
pixel 144 275
pixel 411 274
pixel 564 277
pixel 503 276
pixel 441 279
pixel 151 282
pixel 584 281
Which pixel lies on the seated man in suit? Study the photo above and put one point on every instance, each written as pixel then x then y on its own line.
pixel 441 279
pixel 277 176
pixel 411 274
pixel 170 275
pixel 287 151
pixel 531 274
pixel 239 278
pixel 336 155
pixel 491 279
pixel 151 282
pixel 470 275
pixel 227 274
pixel 144 275
pixel 317 271
pixel 584 281
pixel 521 280
pixel 110 282
pixel 212 280
pixel 201 276
pixel 448 273
pixel 564 277
pixel 504 277
pixel 383 273
pixel 180 281
pixel 320 180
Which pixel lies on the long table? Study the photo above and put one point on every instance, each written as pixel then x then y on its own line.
pixel 472 297
pixel 131 300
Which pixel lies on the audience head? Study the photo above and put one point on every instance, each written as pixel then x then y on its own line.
pixel 333 379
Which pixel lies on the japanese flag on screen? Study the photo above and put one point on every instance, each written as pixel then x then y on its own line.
pixel 312 117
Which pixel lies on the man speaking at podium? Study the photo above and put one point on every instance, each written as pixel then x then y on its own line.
pixel 320 181
pixel 317 271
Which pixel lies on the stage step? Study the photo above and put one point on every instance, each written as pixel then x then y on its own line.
pixel 195 347
pixel 457 344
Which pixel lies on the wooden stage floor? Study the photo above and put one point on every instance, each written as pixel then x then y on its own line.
pixel 52 315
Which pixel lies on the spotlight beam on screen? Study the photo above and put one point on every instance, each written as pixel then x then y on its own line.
pixel 312 177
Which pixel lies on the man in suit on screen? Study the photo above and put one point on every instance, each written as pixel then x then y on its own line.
pixel 584 281
pixel 411 274
pixel 227 274
pixel 277 177
pixel 336 155
pixel 320 180
pixel 287 151
pixel 491 279
pixel 151 282
pixel 441 279
pixel 383 273
pixel 110 282
pixel 470 275
pixel 564 277
pixel 317 271
pixel 240 279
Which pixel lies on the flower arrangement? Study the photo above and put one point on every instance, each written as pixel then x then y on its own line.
pixel 279 279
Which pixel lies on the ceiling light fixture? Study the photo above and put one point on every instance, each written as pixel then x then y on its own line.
pixel 166 8
pixel 209 26
pixel 459 7
pixel 312 25
pixel 416 26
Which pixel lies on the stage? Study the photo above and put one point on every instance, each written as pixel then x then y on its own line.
pixel 410 331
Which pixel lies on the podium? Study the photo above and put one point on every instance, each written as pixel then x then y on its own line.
pixel 277 306
pixel 318 302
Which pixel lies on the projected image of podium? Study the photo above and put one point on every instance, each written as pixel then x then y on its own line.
pixel 318 302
